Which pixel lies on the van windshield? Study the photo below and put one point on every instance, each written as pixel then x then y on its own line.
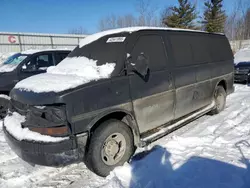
pixel 96 60
pixel 15 59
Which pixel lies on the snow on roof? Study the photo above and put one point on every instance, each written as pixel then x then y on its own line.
pixel 13 125
pixel 68 74
pixel 96 36
pixel 242 55
pixel 32 51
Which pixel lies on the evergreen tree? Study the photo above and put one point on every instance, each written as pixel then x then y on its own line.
pixel 182 16
pixel 214 17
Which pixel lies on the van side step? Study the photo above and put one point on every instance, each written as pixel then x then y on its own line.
pixel 170 128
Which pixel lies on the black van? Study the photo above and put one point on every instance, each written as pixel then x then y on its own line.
pixel 25 64
pixel 162 78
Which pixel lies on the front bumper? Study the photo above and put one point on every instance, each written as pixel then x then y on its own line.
pixel 49 154
pixel 241 77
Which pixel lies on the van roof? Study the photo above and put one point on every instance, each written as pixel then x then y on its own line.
pixel 33 51
pixel 96 36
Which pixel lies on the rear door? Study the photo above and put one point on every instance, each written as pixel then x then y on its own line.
pixel 152 97
pixel 37 64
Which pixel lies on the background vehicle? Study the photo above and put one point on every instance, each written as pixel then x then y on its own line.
pixel 242 65
pixel 25 64
pixel 158 79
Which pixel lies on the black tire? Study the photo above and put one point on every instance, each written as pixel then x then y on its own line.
pixel 220 100
pixel 94 159
pixel 4 104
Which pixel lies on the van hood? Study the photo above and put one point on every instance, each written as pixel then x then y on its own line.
pixel 243 65
pixel 47 83
pixel 69 74
pixel 31 98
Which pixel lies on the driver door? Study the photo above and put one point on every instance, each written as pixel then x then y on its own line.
pixel 152 96
pixel 36 65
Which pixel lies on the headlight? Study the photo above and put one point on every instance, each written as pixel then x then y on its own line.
pixel 55 114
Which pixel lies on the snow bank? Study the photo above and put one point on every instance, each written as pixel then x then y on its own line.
pixel 13 125
pixel 91 38
pixel 68 74
pixel 242 55
pixel 4 96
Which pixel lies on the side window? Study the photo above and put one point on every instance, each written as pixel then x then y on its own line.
pixel 60 56
pixel 200 49
pixel 220 48
pixel 182 49
pixel 40 62
pixel 152 47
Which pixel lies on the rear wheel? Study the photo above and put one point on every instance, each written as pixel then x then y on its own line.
pixel 111 145
pixel 220 100
pixel 4 104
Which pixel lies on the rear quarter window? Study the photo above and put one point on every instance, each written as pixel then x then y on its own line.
pixel 220 48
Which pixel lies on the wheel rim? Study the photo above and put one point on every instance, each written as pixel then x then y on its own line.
pixel 219 101
pixel 113 149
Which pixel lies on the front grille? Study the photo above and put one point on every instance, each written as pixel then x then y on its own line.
pixel 19 107
pixel 241 71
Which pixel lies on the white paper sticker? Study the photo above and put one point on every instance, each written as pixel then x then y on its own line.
pixel 116 39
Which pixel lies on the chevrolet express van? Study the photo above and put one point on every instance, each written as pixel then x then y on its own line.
pixel 116 91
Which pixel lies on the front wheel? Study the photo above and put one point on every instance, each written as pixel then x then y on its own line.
pixel 111 145
pixel 220 100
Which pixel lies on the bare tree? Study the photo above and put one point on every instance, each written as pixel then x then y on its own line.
pixel 236 26
pixel 147 13
pixel 147 17
pixel 112 22
pixel 78 31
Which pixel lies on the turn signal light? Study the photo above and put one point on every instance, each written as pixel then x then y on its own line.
pixel 55 131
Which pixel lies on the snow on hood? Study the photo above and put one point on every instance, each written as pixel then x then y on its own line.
pixel 13 125
pixel 8 67
pixel 91 38
pixel 242 55
pixel 68 74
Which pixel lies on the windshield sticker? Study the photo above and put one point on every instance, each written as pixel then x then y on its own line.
pixel 116 39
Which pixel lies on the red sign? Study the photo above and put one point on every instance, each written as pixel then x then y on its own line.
pixel 12 39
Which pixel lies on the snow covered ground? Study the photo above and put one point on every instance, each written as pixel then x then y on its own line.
pixel 213 151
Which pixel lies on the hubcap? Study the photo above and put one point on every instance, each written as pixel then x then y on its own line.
pixel 113 149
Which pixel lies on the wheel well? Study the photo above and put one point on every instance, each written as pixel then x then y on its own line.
pixel 121 116
pixel 114 115
pixel 223 84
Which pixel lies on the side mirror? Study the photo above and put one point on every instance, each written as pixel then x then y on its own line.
pixel 24 67
pixel 28 69
pixel 140 65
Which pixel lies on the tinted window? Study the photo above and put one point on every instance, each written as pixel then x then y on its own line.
pixel 200 49
pixel 40 62
pixel 220 48
pixel 60 56
pixel 182 49
pixel 152 47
